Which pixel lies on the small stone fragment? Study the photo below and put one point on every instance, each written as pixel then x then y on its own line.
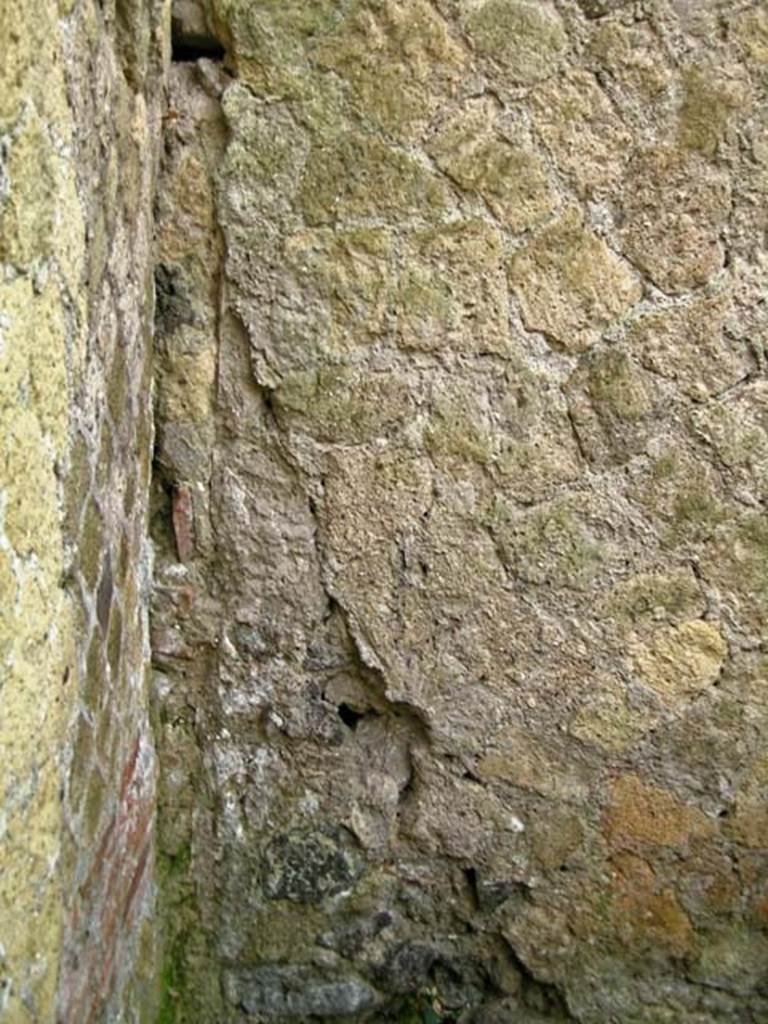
pixel 499 164
pixel 306 867
pixel 570 285
pixel 452 294
pixel 675 206
pixel 641 813
pixel 679 661
pixel 608 720
pixel 579 126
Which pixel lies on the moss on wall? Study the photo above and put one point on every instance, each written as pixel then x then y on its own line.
pixel 75 849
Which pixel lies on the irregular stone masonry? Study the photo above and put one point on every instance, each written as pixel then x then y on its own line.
pixel 460 512
pixel 453 321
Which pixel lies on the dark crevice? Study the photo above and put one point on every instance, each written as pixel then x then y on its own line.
pixel 191 49
pixel 408 790
pixel 539 996
pixel 173 302
pixel 161 503
pixel 373 674
pixel 349 716
pixel 470 877
pixel 193 39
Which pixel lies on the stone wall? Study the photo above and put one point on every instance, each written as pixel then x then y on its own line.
pixel 445 323
pixel 80 124
pixel 460 512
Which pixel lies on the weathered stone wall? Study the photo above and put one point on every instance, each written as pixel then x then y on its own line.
pixel 458 508
pixel 460 512
pixel 80 109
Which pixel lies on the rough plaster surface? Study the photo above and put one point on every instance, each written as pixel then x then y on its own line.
pixel 460 512
pixel 80 110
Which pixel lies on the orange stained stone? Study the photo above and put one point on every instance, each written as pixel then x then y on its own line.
pixel 639 812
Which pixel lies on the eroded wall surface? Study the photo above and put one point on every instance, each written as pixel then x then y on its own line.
pixel 460 512
pixel 80 109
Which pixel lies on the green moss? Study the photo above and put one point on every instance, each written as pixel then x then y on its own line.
pixel 172 980
pixel 664 467
pixel 729 714
pixel 696 512
pixel 260 158
pixel 451 293
pixel 680 496
pixel 352 272
pixel 27 216
pixel 133 42
pixel 114 642
pixel 77 483
pixel 383 92
pixel 551 546
pixel 525 38
pixel 189 984
pixel 291 18
pixel 608 721
pixel 144 988
pixel 427 296
pixel 497 515
pixel 733 958
pixel 421 1010
pixel 91 544
pixel 94 806
pixel 107 738
pixel 453 431
pixel 709 103
pixel 117 387
pixel 392 63
pixel 512 180
pixel 95 673
pixel 358 175
pixel 755 532
pixel 750 554
pixel 82 751
pixel 339 404
pixel 616 386
pixel 751 29
pixel 175 866
pixel 624 52
pixel 270 41
pixel 640 597
pixel 570 284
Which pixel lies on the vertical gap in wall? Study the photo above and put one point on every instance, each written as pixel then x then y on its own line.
pixel 188 282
